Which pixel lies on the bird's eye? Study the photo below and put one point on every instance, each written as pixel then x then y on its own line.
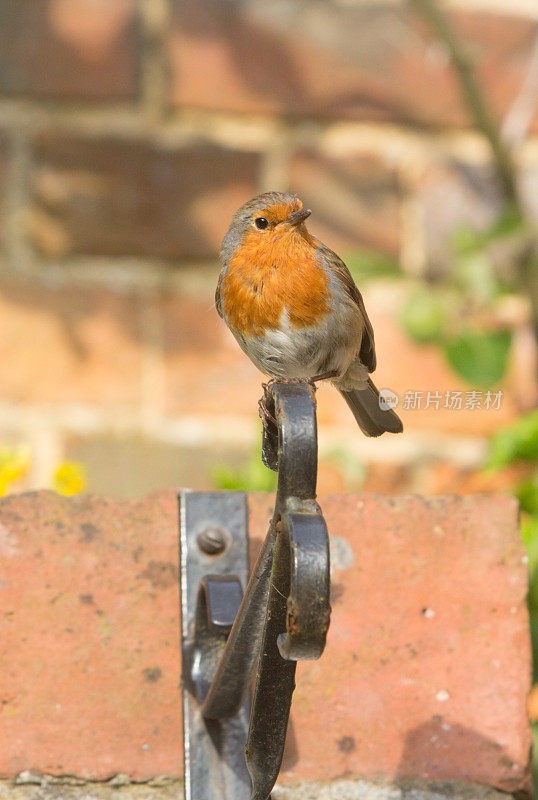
pixel 261 223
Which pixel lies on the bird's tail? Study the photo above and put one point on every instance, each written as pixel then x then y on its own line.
pixel 373 420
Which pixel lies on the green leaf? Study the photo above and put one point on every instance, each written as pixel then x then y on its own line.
pixel 423 316
pixel 467 240
pixel 527 493
pixel 479 357
pixel 476 276
pixel 365 264
pixel 507 224
pixel 529 534
pixel 519 442
pixel 254 476
pixel 346 460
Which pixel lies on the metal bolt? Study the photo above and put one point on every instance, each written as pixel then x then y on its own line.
pixel 212 541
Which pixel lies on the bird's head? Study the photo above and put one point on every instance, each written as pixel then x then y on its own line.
pixel 268 220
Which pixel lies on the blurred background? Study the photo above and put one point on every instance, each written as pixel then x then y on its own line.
pixel 130 130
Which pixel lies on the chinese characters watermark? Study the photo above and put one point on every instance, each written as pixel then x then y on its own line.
pixel 454 400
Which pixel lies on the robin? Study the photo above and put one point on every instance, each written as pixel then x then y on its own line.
pixel 294 309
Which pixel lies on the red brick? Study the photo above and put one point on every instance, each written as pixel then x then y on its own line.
pixel 355 200
pixel 99 609
pixel 425 674
pixel 206 371
pixel 67 345
pixel 356 60
pixel 68 49
pixel 111 197
pixel 419 675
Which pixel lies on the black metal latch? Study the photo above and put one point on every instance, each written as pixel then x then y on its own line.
pixel 282 617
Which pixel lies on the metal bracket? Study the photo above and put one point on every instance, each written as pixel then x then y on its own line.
pixel 283 616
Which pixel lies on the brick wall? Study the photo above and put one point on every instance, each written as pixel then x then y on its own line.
pixel 130 131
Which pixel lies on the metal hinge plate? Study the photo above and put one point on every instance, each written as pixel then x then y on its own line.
pixel 216 522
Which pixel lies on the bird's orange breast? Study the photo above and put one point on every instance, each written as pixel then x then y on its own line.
pixel 269 274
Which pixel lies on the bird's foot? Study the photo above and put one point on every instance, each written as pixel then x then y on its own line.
pixel 325 376
pixel 311 380
pixel 265 415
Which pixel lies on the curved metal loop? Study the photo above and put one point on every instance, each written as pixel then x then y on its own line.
pixel 295 411
pixel 290 447
pixel 308 608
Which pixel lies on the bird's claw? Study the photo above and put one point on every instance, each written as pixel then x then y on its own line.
pixel 265 415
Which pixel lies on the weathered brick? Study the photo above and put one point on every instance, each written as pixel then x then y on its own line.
pixel 367 60
pixel 413 592
pixel 110 197
pixel 68 48
pixel 67 345
pixel 206 372
pixel 355 200
pixel 425 674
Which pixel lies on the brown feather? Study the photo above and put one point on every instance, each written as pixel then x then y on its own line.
pixel 367 350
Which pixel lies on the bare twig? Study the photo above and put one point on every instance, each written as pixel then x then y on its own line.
pixel 476 102
pixel 485 123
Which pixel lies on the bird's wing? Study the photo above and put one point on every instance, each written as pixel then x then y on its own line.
pixel 367 350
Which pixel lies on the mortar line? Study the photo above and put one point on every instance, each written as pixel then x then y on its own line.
pixel 154 17
pixel 19 157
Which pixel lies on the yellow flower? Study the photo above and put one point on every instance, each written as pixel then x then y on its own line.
pixel 69 478
pixel 14 464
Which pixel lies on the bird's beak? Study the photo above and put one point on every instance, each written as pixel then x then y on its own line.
pixel 298 216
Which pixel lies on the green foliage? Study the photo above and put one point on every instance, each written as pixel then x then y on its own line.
pixel 365 264
pixel 527 494
pixel 479 357
pixel 477 354
pixel 509 223
pixel 424 316
pixel 252 477
pixel 529 532
pixel 475 277
pixel 348 464
pixel 519 442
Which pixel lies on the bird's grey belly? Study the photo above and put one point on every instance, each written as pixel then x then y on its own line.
pixel 289 352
